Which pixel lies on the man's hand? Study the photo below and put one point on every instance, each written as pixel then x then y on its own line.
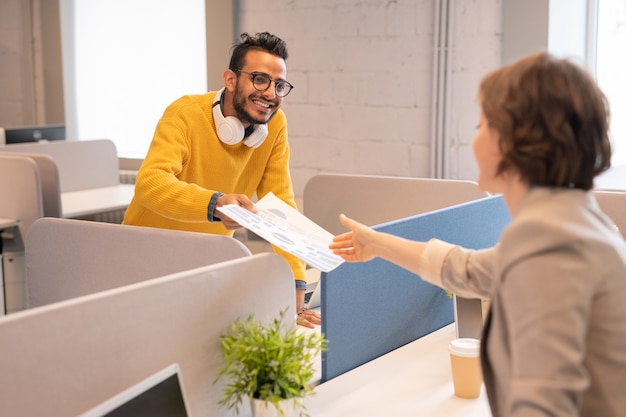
pixel 306 318
pixel 239 199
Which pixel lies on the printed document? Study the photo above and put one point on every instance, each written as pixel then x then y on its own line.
pixel 280 224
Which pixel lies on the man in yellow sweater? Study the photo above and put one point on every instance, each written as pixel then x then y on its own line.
pixel 221 148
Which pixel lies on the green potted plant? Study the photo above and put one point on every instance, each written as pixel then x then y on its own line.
pixel 270 365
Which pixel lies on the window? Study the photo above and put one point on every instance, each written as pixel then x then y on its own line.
pixel 126 61
pixel 611 67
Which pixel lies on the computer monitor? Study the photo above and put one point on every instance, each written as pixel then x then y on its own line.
pixel 34 134
pixel 158 395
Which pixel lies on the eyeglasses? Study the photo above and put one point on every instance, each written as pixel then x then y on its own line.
pixel 262 82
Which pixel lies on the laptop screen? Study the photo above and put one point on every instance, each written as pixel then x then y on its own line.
pixel 158 395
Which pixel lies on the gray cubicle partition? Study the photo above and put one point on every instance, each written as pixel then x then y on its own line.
pixel 64 358
pixel 50 183
pixel 22 202
pixel 81 164
pixel 79 179
pixel 20 190
pixel 70 258
pixel 48 180
pixel 372 308
pixel 375 199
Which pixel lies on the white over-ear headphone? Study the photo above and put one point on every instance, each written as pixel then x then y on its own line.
pixel 230 130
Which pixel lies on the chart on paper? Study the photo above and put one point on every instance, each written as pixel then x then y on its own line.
pixel 280 224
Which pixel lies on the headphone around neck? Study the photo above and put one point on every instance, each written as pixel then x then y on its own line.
pixel 230 130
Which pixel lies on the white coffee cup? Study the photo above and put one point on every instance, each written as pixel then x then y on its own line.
pixel 465 363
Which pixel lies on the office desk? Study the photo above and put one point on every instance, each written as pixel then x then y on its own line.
pixel 414 380
pixel 8 223
pixel 96 200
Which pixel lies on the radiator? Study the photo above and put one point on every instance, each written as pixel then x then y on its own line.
pixel 114 216
pixel 128 176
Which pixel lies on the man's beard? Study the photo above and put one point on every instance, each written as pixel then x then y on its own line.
pixel 239 103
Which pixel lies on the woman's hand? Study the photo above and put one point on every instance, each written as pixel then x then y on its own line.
pixel 357 245
pixel 363 244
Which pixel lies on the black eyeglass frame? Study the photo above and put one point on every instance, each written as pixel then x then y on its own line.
pixel 254 76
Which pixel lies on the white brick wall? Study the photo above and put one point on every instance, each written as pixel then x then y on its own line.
pixel 11 63
pixel 22 98
pixel 363 76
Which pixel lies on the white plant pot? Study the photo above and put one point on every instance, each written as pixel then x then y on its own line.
pixel 262 408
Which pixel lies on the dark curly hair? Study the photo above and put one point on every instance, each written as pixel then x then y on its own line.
pixel 263 41
pixel 552 120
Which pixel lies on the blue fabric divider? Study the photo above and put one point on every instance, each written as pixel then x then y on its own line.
pixel 369 309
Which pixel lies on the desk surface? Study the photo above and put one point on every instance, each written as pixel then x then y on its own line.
pixel 96 200
pixel 414 380
pixel 8 223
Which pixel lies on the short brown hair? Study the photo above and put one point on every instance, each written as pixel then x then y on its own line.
pixel 263 41
pixel 552 119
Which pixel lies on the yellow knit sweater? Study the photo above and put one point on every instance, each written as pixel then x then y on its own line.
pixel 187 163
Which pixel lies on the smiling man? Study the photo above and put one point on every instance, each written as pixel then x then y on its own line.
pixel 223 147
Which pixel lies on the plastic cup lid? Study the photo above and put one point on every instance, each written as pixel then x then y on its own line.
pixel 465 347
